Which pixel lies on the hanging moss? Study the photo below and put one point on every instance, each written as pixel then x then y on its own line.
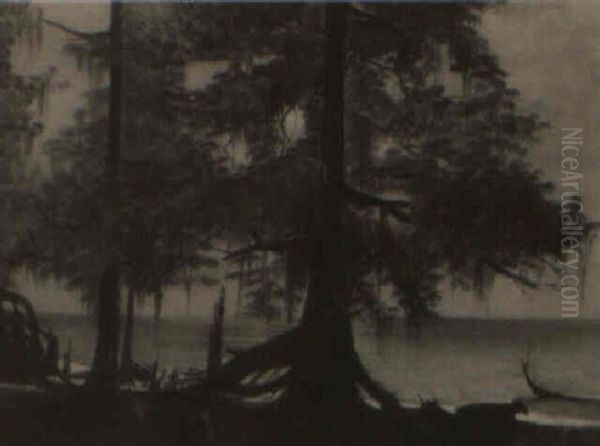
pixel 27 141
pixel 158 302
pixel 42 97
pixel 39 33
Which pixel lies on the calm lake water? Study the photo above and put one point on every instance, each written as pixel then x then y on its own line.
pixel 455 361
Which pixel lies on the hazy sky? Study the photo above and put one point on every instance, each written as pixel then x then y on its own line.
pixel 552 52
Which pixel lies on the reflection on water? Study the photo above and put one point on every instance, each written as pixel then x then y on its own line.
pixel 459 361
pixel 455 361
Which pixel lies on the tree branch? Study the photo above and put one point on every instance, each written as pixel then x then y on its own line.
pixel 250 390
pixel 512 275
pixel 74 32
pixel 270 245
pixel 395 207
pixel 386 399
pixel 273 163
pixel 274 353
pixel 378 125
pixel 368 15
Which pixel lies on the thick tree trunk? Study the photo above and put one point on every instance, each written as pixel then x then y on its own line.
pixel 127 349
pixel 328 279
pixel 324 368
pixel 324 372
pixel 104 375
pixel 105 367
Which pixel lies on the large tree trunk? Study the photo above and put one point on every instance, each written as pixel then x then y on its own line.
pixel 327 293
pixel 104 373
pixel 324 372
pixel 105 366
pixel 323 368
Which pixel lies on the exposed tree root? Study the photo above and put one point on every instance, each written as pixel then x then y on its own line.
pixel 274 353
pixel 386 399
pixel 255 390
pixel 273 367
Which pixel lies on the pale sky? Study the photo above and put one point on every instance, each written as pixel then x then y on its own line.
pixel 552 54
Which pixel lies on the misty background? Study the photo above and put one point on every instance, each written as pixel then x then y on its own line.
pixel 552 54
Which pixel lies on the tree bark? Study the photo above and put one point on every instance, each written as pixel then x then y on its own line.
pixel 323 368
pixel 104 375
pixel 328 282
pixel 325 371
pixel 105 366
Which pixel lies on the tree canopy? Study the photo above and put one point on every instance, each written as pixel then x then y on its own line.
pixel 366 145
pixel 438 178
pixel 19 125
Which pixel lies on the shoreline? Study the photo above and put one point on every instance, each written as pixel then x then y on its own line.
pixel 63 417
